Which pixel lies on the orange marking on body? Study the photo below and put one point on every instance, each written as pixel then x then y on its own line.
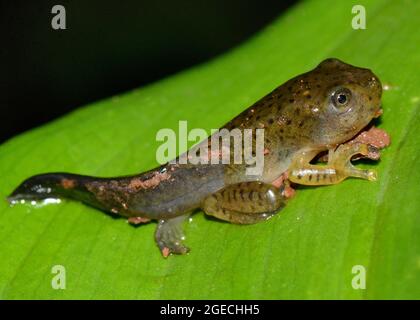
pixel 137 183
pixel 280 180
pixel 138 220
pixel 289 192
pixel 68 183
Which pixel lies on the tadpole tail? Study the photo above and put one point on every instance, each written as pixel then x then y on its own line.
pixel 55 185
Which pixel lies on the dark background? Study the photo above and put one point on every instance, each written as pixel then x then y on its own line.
pixel 109 48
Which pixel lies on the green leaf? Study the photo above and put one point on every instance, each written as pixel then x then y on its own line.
pixel 307 251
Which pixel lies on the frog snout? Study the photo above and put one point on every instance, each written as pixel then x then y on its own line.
pixel 378 113
pixel 374 84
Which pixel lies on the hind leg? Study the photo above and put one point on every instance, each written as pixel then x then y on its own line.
pixel 244 203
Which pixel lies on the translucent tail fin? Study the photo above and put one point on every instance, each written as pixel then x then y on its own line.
pixel 55 185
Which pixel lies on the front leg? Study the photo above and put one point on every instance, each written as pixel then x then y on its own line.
pixel 337 169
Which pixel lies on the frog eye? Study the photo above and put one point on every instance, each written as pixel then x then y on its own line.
pixel 341 97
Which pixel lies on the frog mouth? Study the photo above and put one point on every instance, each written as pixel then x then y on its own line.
pixel 376 139
pixel 378 113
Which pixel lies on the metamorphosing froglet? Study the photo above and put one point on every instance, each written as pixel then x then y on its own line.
pixel 317 112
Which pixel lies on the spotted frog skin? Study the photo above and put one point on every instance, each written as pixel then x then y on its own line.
pixel 315 112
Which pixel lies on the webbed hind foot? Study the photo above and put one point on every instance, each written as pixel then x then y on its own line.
pixel 169 236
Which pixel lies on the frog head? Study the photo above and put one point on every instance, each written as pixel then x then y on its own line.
pixel 347 98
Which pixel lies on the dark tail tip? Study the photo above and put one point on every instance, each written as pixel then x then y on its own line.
pixel 41 186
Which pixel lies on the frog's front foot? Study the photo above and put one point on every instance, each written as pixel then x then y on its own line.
pixel 341 160
pixel 169 236
pixel 338 168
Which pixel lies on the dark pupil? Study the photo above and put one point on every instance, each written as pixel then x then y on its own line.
pixel 342 98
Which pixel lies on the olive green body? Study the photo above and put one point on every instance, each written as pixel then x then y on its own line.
pixel 312 112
